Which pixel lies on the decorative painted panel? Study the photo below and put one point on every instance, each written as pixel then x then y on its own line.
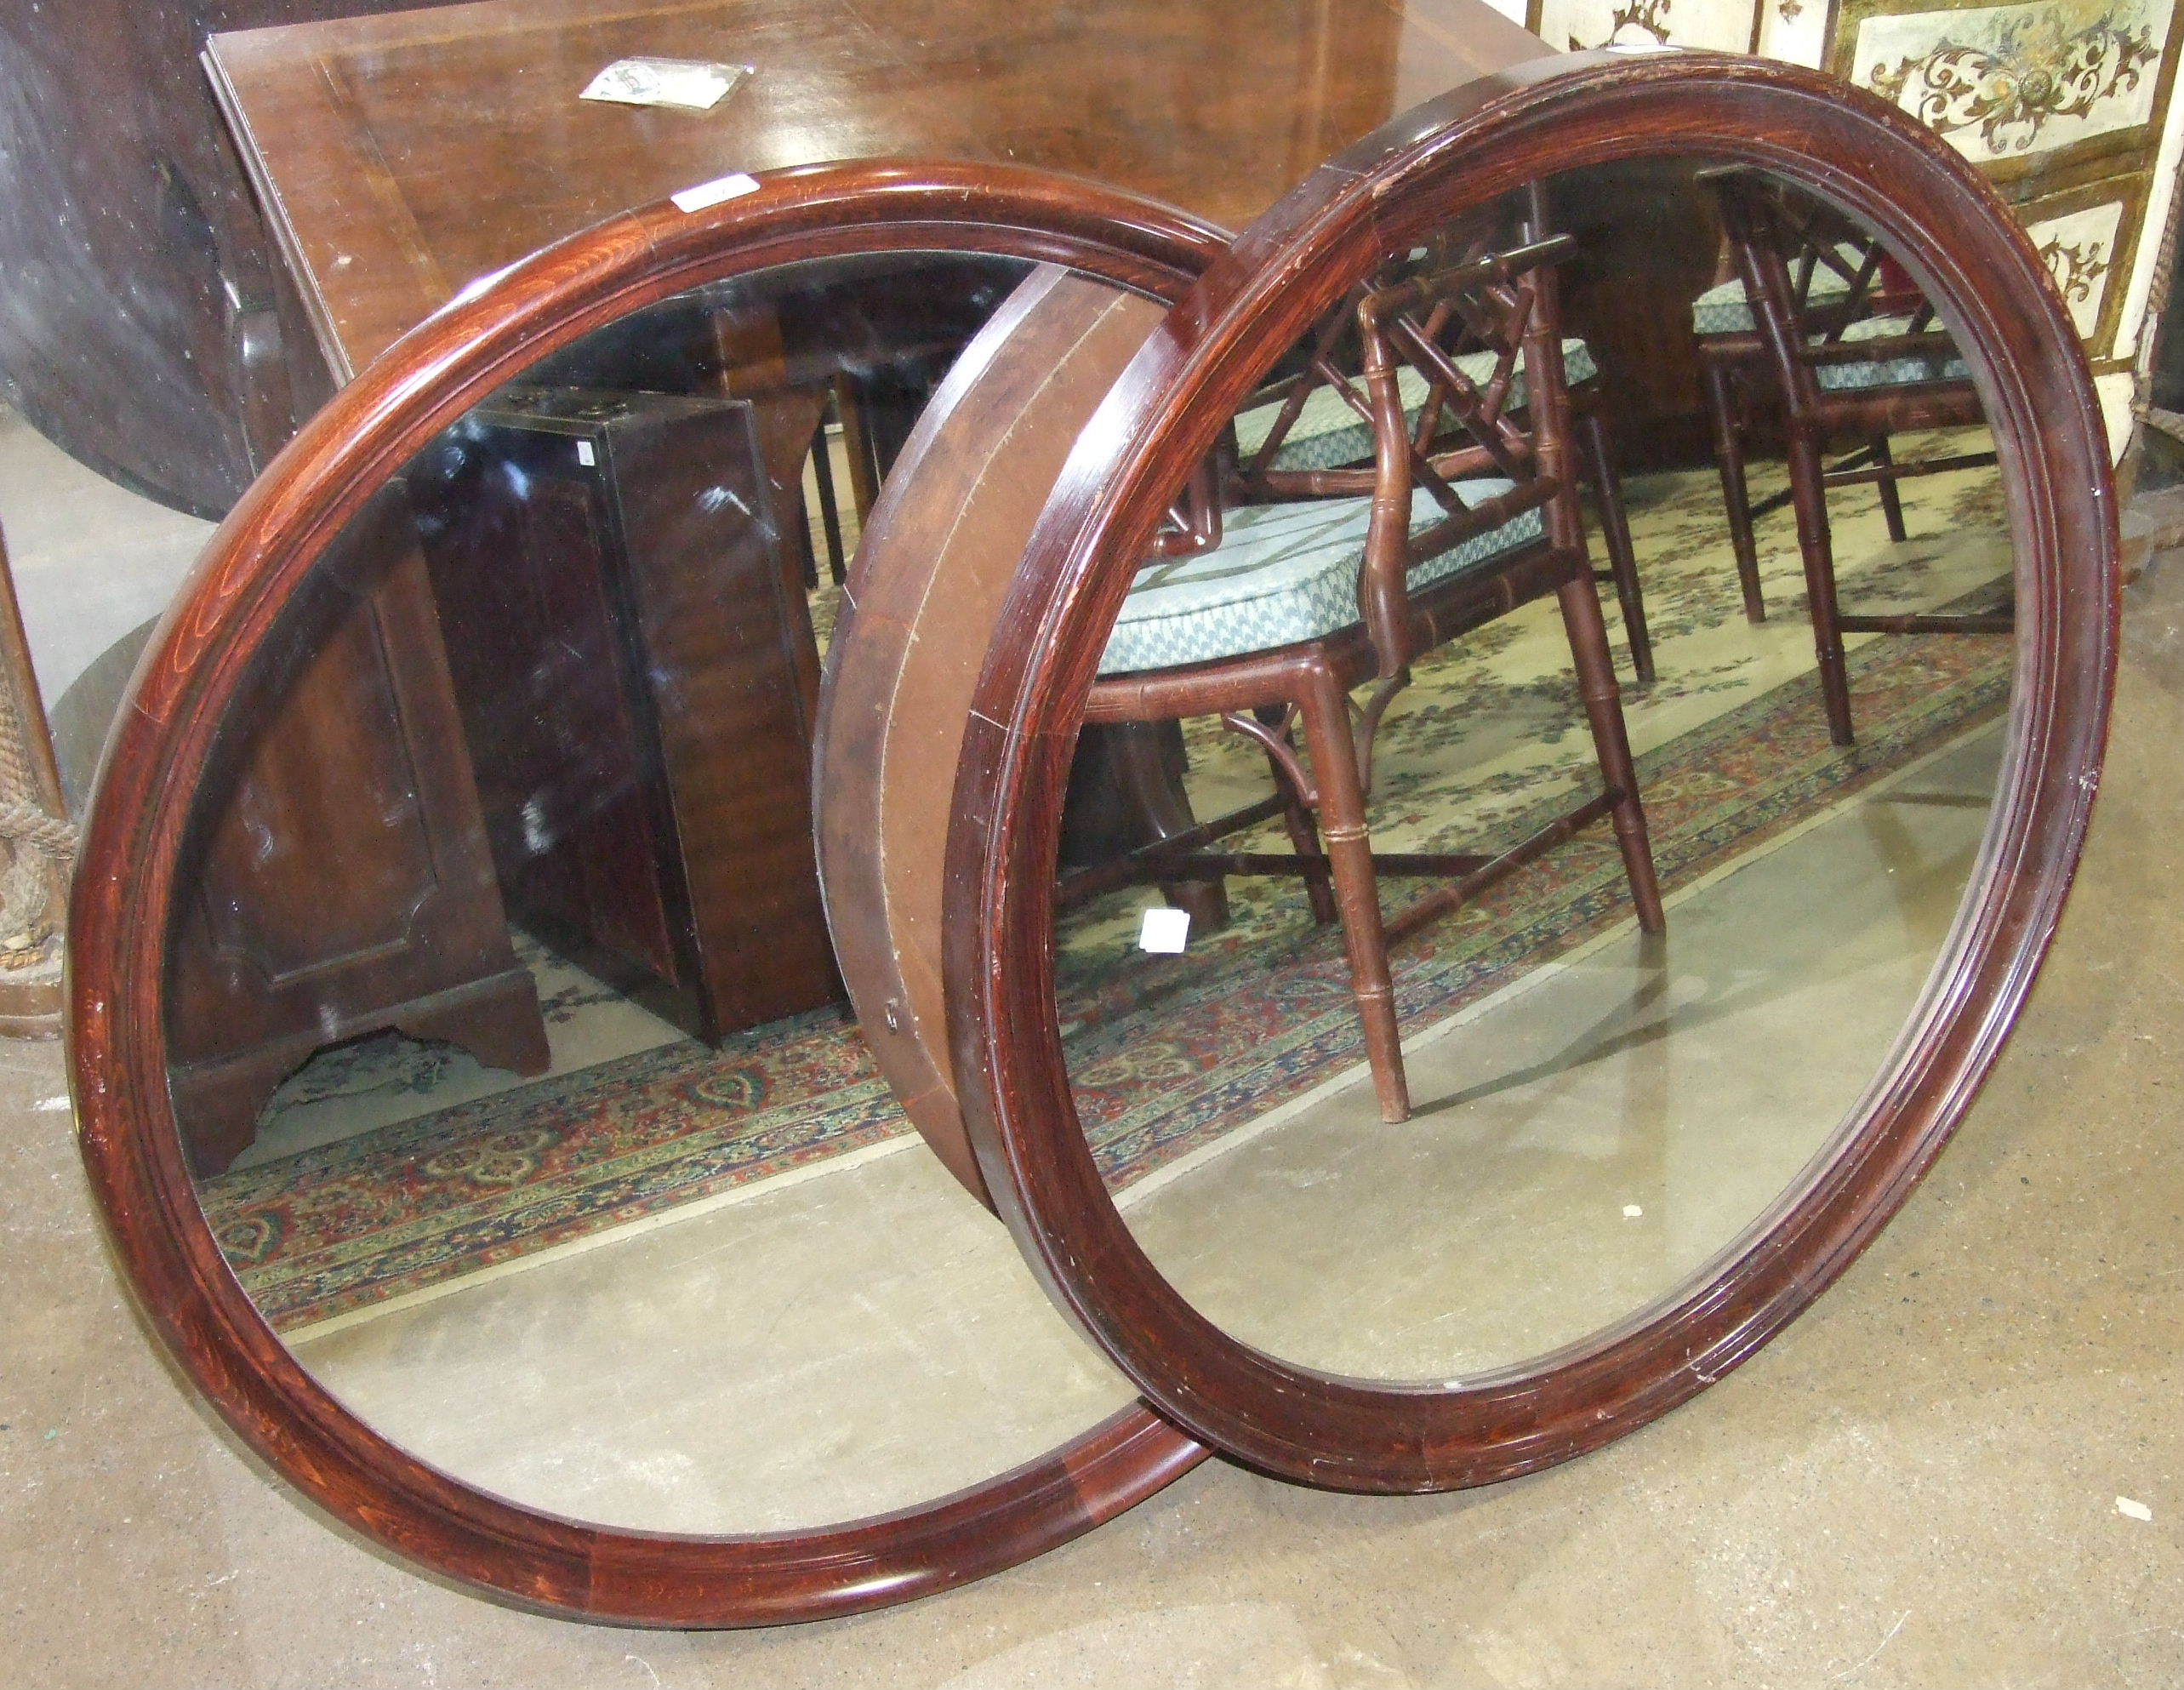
pixel 2007 82
pixel 1795 30
pixel 2079 250
pixel 2089 239
pixel 2064 103
pixel 2067 105
pixel 1725 25
pixel 1798 30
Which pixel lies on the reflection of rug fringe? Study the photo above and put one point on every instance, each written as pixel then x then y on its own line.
pixel 300 1332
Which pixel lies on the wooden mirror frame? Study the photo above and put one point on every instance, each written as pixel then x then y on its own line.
pixel 125 887
pixel 1957 239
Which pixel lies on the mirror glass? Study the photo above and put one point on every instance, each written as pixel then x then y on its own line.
pixel 1509 1055
pixel 506 1042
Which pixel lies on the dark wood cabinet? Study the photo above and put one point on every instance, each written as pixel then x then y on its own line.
pixel 637 673
pixel 336 879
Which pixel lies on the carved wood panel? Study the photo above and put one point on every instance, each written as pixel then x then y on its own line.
pixel 339 880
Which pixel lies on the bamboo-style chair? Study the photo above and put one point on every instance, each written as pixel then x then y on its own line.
pixel 1302 424
pixel 1862 364
pixel 1268 613
pixel 1742 396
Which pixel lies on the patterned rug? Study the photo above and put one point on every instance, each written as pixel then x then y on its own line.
pixel 1170 1053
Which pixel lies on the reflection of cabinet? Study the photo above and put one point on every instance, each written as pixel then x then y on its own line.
pixel 337 881
pixel 634 658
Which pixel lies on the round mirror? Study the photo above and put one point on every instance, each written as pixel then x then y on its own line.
pixel 1466 978
pixel 1593 632
pixel 465 1062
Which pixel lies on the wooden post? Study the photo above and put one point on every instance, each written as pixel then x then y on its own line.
pixel 37 841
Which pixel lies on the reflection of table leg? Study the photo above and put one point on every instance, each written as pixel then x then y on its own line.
pixel 782 423
pixel 1127 791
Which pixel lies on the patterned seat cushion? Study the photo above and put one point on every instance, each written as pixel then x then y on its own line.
pixel 1900 372
pixel 1283 574
pixel 1328 434
pixel 1724 310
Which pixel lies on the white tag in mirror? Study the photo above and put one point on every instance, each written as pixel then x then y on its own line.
pixel 1165 930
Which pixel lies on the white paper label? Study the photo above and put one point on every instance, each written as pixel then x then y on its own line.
pixel 1165 930
pixel 691 85
pixel 713 192
pixel 584 453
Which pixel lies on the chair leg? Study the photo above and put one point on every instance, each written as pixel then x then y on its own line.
pixel 1891 499
pixel 1729 459
pixel 1809 493
pixel 1615 539
pixel 1325 711
pixel 830 509
pixel 850 410
pixel 1596 687
pixel 1297 818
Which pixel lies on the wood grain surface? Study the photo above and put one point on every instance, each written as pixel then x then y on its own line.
pixel 398 157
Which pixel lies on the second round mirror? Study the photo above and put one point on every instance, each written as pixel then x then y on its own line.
pixel 1569 662
pixel 1537 804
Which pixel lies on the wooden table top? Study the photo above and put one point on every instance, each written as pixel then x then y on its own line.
pixel 399 157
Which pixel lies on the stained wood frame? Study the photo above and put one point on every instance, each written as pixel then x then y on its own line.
pixel 1173 400
pixel 125 893
pixel 1957 238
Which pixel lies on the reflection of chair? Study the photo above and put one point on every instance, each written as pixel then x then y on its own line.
pixel 1324 433
pixel 1268 615
pixel 1865 366
pixel 1740 388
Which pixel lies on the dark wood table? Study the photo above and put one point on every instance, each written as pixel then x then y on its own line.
pixel 399 157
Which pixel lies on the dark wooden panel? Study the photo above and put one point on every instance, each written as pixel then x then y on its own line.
pixel 140 331
pixel 519 571
pixel 637 672
pixel 732 669
pixel 1218 107
pixel 1649 243
pixel 340 877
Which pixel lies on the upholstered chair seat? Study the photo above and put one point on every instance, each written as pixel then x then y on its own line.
pixel 1328 434
pixel 1723 309
pixel 1940 363
pixel 1282 575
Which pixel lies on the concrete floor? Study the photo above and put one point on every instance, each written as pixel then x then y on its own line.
pixel 1595 1132
pixel 1917 1484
